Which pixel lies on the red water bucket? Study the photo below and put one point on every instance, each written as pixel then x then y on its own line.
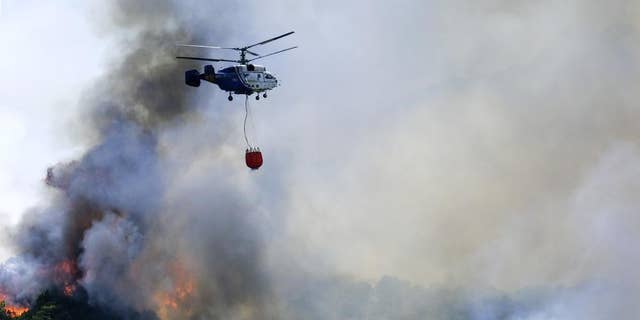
pixel 253 157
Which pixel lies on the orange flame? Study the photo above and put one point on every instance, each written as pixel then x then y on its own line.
pixel 66 273
pixel 177 295
pixel 69 289
pixel 12 310
pixel 15 311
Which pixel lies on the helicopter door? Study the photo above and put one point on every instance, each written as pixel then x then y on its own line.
pixel 250 79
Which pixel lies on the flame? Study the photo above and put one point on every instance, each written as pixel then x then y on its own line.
pixel 66 273
pixel 177 294
pixel 69 289
pixel 15 311
pixel 177 298
pixel 12 310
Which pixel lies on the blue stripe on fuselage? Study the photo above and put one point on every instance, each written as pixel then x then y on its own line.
pixel 229 80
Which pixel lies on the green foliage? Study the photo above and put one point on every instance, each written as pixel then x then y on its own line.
pixel 3 313
pixel 49 306
pixel 53 305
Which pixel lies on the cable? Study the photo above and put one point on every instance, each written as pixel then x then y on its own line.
pixel 246 113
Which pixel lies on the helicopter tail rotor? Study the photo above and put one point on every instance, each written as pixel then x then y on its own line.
pixel 192 78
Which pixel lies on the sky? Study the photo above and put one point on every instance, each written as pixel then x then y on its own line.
pixel 474 144
pixel 48 53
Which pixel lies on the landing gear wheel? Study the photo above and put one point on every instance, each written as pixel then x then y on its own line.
pixel 230 98
pixel 258 96
pixel 264 95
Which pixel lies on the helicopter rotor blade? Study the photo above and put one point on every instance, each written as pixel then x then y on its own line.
pixel 267 41
pixel 215 47
pixel 201 46
pixel 270 54
pixel 252 53
pixel 207 59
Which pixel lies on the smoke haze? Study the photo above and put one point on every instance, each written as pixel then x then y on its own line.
pixel 423 160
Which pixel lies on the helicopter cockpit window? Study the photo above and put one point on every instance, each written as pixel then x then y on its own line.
pixel 268 76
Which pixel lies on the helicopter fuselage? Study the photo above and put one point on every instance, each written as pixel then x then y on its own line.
pixel 245 79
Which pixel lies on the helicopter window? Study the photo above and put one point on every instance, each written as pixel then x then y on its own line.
pixel 268 76
pixel 258 76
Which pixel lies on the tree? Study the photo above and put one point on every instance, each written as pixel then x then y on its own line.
pixel 4 315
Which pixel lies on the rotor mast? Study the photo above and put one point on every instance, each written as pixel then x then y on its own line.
pixel 243 56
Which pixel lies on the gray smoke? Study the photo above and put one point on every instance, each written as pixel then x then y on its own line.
pixel 118 227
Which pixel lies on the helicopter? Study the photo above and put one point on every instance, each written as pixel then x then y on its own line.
pixel 244 78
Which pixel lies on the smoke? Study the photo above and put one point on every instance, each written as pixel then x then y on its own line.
pixel 491 170
pixel 142 87
pixel 120 227
pixel 471 132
